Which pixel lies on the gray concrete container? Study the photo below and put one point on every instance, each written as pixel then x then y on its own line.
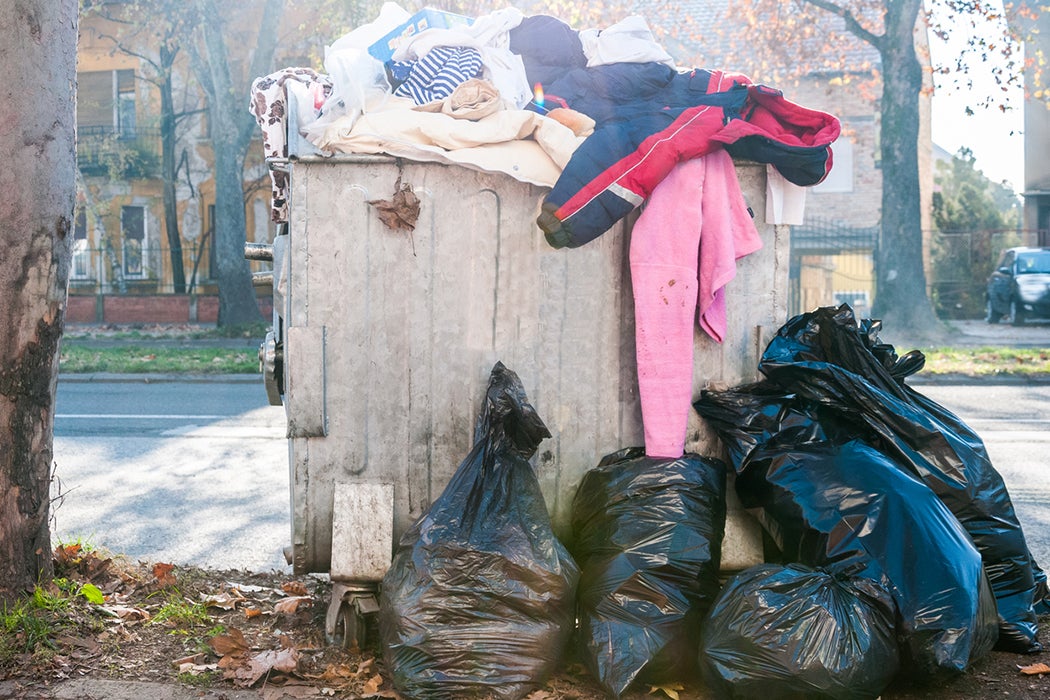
pixel 388 338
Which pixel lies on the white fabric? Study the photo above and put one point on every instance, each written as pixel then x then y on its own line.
pixel 490 34
pixel 785 201
pixel 525 145
pixel 628 41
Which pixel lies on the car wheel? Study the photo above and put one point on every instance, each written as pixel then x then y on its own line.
pixel 1016 314
pixel 989 313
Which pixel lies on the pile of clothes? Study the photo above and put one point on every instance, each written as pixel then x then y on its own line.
pixel 607 121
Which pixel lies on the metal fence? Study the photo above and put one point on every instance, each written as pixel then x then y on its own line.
pixel 829 264
pixel 960 263
pixel 120 152
pixel 133 267
pixel 834 264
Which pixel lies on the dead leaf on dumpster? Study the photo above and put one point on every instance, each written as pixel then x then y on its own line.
pixel 1034 669
pixel 401 211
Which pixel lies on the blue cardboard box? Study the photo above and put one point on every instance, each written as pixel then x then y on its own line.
pixel 427 18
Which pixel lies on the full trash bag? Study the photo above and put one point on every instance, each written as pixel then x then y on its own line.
pixel 478 601
pixel 647 535
pixel 795 632
pixel 827 357
pixel 831 501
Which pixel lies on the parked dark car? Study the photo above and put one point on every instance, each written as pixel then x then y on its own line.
pixel 1019 288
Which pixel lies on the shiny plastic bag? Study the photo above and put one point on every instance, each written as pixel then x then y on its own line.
pixel 830 359
pixel 833 502
pixel 795 632
pixel 647 535
pixel 478 601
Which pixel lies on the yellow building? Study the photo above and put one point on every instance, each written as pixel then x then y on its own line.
pixel 121 246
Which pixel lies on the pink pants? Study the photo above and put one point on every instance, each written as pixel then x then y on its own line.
pixel 684 248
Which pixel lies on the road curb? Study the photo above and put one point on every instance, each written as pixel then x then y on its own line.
pixel 982 380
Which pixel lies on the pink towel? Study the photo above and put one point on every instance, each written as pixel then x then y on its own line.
pixel 684 249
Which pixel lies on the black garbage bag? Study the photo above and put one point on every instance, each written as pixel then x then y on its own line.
pixel 795 632
pixel 647 535
pixel 479 598
pixel 827 357
pixel 836 503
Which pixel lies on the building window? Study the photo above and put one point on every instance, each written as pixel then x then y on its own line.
pixel 106 102
pixel 840 179
pixel 81 251
pixel 133 233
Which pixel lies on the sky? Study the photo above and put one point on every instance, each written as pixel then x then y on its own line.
pixel 995 137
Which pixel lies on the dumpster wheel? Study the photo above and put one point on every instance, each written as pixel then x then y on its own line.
pixel 346 623
pixel 349 628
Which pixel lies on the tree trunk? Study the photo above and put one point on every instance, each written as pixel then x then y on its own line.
pixel 231 128
pixel 38 41
pixel 168 167
pixel 901 300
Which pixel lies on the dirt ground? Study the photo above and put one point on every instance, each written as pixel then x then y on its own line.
pixel 214 633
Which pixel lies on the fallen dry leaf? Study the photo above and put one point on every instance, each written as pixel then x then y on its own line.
pixel 372 685
pixel 67 553
pixel 128 613
pixel 193 659
pixel 162 572
pixel 290 605
pixel 670 690
pixel 263 663
pixel 232 644
pixel 226 601
pixel 296 588
pixel 246 588
pixel 1034 669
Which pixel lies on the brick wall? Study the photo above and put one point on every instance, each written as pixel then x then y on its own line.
pixel 151 308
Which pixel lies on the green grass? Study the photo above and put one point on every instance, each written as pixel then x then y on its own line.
pixel 180 613
pixel 78 358
pixel 29 626
pixel 988 361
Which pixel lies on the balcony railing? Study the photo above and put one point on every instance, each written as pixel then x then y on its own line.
pixel 121 153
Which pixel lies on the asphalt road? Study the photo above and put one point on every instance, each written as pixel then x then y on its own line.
pixel 185 473
pixel 196 473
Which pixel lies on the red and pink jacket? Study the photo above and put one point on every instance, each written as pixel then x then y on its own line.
pixel 638 142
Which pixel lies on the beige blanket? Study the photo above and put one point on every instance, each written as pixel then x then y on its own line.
pixel 523 144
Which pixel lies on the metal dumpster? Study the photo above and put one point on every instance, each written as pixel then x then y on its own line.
pixel 383 342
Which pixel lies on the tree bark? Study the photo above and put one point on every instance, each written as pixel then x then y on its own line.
pixel 231 128
pixel 901 300
pixel 168 169
pixel 38 40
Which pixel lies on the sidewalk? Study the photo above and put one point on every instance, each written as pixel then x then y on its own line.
pixel 103 689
